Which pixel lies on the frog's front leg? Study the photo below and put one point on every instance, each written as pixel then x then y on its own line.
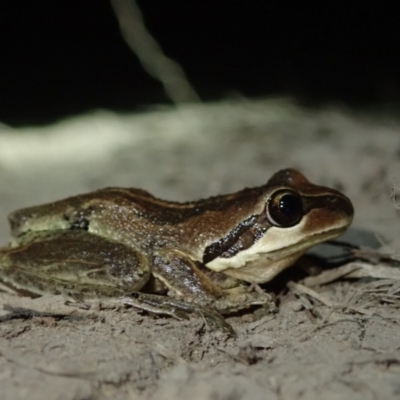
pixel 185 279
pixel 191 290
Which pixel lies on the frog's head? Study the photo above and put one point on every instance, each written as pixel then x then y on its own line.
pixel 291 215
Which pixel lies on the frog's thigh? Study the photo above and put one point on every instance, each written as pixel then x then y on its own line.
pixel 76 264
pixel 182 275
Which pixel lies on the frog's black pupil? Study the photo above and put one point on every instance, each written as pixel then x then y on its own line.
pixel 285 209
pixel 290 206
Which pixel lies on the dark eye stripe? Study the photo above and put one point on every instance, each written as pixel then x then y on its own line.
pixel 218 247
pixel 242 237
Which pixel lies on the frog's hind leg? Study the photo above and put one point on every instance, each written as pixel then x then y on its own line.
pixel 84 267
pixel 76 264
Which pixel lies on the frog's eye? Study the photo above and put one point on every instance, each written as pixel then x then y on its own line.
pixel 284 208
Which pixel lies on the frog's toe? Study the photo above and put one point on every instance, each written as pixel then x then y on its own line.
pixel 221 324
pixel 156 305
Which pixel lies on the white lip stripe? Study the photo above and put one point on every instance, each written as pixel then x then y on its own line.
pixel 277 243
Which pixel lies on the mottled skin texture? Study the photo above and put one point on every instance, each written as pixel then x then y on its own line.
pixel 138 219
pixel 113 242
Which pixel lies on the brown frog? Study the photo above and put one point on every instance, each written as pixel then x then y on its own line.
pixel 167 257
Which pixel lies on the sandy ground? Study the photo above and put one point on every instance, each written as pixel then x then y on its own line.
pixel 306 350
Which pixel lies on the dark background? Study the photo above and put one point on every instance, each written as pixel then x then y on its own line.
pixel 62 57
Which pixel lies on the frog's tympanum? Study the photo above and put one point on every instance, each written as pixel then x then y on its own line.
pixel 166 257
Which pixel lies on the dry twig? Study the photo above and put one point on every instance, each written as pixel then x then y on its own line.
pixel 150 54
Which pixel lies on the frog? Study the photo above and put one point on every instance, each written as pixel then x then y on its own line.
pixel 210 256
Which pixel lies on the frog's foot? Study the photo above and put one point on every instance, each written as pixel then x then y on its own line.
pixel 234 302
pixel 255 287
pixel 178 309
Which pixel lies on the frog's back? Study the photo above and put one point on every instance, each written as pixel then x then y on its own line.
pixel 69 213
pixel 134 215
